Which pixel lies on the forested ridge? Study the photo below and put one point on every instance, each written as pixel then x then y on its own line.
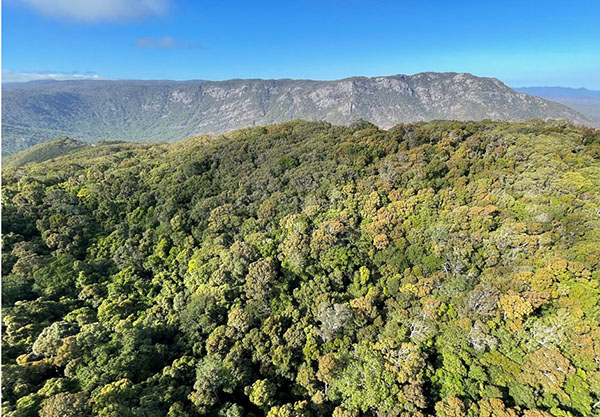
pixel 303 269
pixel 44 151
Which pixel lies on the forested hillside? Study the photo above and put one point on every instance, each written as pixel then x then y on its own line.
pixel 44 152
pixel 303 269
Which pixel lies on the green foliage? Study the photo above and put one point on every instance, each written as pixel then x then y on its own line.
pixel 44 151
pixel 304 269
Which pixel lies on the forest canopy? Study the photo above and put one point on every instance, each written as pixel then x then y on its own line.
pixel 304 269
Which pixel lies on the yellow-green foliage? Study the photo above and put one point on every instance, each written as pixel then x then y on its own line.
pixel 304 269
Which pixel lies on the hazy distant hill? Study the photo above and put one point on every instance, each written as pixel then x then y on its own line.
pixel 582 100
pixel 170 110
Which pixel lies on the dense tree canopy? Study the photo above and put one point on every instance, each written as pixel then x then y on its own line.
pixel 304 269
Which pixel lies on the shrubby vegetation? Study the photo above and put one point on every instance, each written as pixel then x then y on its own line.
pixel 304 269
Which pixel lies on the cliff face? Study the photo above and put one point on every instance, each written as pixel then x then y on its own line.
pixel 170 110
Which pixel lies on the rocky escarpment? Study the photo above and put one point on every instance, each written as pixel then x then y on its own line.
pixel 170 110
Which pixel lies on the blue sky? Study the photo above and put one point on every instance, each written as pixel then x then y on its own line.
pixel 524 43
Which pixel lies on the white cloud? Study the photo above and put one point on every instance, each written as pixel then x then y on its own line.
pixel 166 42
pixel 96 10
pixel 17 77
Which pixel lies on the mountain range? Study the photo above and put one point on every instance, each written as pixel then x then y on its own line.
pixel 93 110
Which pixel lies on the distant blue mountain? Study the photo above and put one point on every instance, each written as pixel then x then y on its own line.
pixel 563 92
pixel 584 101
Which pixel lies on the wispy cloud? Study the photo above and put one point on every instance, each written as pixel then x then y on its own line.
pixel 99 10
pixel 17 77
pixel 165 42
